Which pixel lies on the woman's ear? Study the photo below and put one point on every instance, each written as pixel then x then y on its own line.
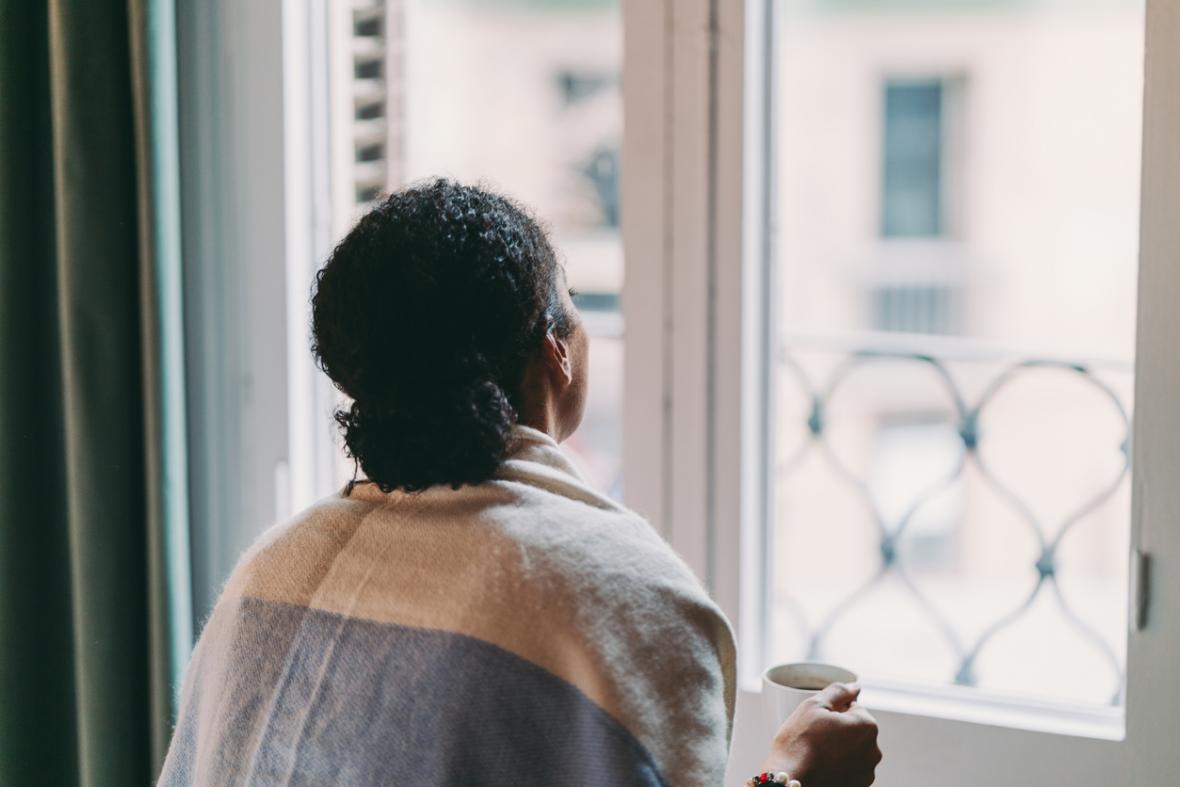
pixel 557 357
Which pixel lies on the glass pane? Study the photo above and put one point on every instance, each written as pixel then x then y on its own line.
pixel 911 170
pixel 522 96
pixel 957 237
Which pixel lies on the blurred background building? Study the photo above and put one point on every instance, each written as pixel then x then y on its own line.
pixel 522 96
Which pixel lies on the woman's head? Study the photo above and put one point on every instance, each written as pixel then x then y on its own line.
pixel 444 316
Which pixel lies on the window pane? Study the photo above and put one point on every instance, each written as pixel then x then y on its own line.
pixel 912 169
pixel 522 96
pixel 957 241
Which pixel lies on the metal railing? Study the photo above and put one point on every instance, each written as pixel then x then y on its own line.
pixel 940 357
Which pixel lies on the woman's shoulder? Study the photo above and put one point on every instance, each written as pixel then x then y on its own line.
pixel 607 555
pixel 575 523
pixel 288 559
pixel 552 508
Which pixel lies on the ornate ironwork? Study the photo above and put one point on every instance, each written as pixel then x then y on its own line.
pixel 1047 566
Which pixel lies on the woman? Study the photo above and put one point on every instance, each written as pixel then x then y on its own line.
pixel 470 612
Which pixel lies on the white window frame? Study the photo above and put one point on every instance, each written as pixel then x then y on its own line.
pixel 233 183
pixel 255 200
pixel 697 237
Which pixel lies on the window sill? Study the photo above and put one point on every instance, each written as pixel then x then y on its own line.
pixel 955 736
pixel 974 706
pixel 955 703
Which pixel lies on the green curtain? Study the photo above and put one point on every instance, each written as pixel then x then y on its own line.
pixel 95 615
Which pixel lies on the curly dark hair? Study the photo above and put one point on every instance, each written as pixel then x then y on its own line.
pixel 426 315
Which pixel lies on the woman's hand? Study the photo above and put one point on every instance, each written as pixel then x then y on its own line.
pixel 828 741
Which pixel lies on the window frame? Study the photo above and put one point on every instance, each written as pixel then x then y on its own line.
pixel 235 331
pixel 255 187
pixel 696 213
pixel 698 238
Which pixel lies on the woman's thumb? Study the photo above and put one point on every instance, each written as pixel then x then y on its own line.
pixel 838 696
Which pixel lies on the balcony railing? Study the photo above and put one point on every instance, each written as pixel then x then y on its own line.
pixel 965 381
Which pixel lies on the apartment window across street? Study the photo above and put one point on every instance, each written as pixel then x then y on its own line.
pixel 918 284
pixel 911 183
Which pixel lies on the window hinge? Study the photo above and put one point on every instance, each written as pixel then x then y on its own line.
pixel 1140 588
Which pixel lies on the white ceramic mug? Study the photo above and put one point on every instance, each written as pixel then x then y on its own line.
pixel 784 686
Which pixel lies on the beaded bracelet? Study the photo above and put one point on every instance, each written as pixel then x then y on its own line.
pixel 782 777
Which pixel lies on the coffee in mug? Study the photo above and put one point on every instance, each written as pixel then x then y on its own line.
pixel 784 686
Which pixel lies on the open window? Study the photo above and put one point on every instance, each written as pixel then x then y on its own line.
pixel 898 324
pixel 900 402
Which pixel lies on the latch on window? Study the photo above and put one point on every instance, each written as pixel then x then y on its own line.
pixel 1140 588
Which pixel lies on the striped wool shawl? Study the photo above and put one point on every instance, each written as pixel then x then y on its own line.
pixel 524 631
